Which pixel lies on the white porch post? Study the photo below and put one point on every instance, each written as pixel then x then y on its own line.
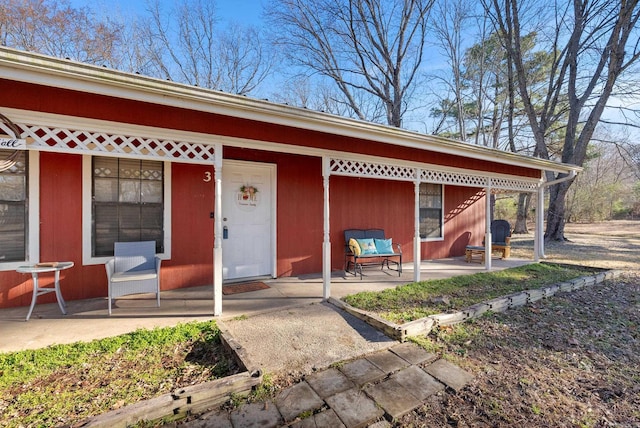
pixel 487 236
pixel 539 230
pixel 326 243
pixel 417 247
pixel 217 238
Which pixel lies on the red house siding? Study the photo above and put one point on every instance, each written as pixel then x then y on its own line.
pixel 464 222
pixel 362 203
pixel 192 200
pixel 354 202
pixel 64 101
pixel 61 225
pixel 367 203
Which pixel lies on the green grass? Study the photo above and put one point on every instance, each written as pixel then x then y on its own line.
pixel 418 300
pixel 62 384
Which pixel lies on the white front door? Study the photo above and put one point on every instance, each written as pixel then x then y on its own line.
pixel 248 219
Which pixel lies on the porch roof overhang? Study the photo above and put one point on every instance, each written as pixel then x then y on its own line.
pixel 60 73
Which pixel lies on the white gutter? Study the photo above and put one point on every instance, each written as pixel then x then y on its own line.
pixel 539 232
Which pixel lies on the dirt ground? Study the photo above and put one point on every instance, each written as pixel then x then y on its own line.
pixel 569 361
pixel 611 244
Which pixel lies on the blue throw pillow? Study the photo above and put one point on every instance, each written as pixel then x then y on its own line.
pixel 367 246
pixel 384 246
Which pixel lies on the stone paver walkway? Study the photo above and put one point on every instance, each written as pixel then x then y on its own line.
pixel 365 392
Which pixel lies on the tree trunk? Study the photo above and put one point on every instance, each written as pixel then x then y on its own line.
pixel 556 211
pixel 524 201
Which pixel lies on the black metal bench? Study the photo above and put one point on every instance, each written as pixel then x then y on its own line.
pixel 354 262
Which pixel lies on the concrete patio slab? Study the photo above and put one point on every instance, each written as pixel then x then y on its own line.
pixel 256 415
pixel 418 382
pixel 297 399
pixel 304 339
pixel 327 418
pixel 218 419
pixel 449 374
pixel 329 382
pixel 380 424
pixel 362 371
pixel 354 408
pixel 413 354
pixel 387 361
pixel 393 397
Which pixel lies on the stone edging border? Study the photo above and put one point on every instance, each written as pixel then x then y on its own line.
pixel 188 400
pixel 423 326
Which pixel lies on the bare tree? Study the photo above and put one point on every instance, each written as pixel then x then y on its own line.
pixel 187 45
pixel 449 18
pixel 304 92
pixel 54 27
pixel 363 46
pixel 593 43
pixel 605 189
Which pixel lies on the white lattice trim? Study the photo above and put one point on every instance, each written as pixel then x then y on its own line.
pixel 370 169
pixel 356 168
pixel 514 184
pixel 455 178
pixel 138 147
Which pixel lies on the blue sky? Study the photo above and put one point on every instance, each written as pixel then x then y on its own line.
pixel 242 11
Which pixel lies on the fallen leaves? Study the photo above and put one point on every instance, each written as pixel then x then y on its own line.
pixel 571 360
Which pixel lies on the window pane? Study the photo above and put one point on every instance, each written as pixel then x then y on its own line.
pixel 129 169
pixel 12 232
pixel 129 217
pixel 105 167
pixel 130 191
pixel 128 203
pixel 106 190
pixel 151 191
pixel 13 209
pixel 13 187
pixel 431 210
pixel 127 235
pixel 151 217
pixel 105 217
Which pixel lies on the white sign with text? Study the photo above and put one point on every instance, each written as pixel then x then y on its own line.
pixel 12 143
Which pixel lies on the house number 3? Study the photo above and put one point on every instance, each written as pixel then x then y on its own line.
pixel 207 177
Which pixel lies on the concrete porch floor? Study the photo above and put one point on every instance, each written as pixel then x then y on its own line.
pixel 87 319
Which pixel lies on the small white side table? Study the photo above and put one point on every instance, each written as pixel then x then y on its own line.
pixel 39 268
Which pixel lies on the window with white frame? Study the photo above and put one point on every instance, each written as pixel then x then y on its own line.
pixel 14 208
pixel 431 211
pixel 127 203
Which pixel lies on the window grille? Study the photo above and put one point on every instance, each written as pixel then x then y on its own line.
pixel 127 203
pixel 14 208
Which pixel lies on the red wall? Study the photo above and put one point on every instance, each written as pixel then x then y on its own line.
pixel 354 203
pixel 61 233
pixel 64 101
pixel 192 227
pixel 359 203
pixel 60 236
